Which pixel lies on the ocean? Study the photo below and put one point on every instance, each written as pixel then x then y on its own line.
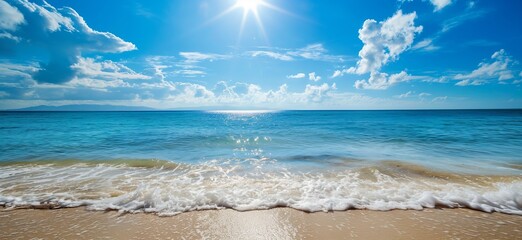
pixel 179 161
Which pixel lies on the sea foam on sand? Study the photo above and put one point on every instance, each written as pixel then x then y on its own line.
pixel 184 188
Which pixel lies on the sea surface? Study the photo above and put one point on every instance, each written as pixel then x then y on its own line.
pixel 173 162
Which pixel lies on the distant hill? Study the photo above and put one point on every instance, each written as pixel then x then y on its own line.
pixel 83 107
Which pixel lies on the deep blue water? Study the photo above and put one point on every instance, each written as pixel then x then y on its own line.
pixel 439 138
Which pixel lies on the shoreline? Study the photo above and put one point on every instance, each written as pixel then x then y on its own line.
pixel 277 223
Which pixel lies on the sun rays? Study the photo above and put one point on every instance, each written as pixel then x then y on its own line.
pixel 251 8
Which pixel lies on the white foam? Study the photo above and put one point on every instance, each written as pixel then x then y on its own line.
pixel 214 186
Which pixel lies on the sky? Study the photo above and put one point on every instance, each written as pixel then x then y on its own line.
pixel 262 54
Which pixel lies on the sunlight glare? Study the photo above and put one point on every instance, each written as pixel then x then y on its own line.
pixel 248 5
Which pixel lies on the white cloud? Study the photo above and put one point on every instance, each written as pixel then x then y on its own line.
pixel 189 66
pixel 190 92
pixel 9 70
pixel 381 81
pixel 316 52
pixel 190 72
pixel 337 73
pixel 10 17
pixel 96 84
pixel 241 94
pixel 195 57
pixel 468 82
pixel 459 20
pixel 313 77
pixel 274 55
pixel 411 94
pixel 9 36
pixel 315 93
pixel 179 94
pixel 405 95
pixel 340 73
pixel 89 67
pixel 425 45
pixel 296 76
pixel 440 4
pixel 45 26
pixel 159 64
pixel 383 42
pixel 499 68
pixel 165 66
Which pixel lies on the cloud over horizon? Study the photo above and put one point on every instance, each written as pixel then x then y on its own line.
pixel 76 51
pixel 500 68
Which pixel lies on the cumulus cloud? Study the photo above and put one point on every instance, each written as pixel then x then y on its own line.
pixel 175 94
pixel 313 77
pixel 10 17
pixel 63 33
pixel 296 76
pixel 383 43
pixel 315 93
pixel 381 81
pixel 440 4
pixel 500 67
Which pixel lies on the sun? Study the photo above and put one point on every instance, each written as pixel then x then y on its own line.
pixel 249 5
pixel 251 8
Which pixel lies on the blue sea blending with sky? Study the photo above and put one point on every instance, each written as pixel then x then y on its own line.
pixel 257 104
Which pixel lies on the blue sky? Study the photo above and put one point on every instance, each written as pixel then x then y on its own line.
pixel 253 54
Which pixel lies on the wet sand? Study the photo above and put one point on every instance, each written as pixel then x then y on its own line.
pixel 280 223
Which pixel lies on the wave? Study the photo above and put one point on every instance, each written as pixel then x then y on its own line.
pixel 168 188
pixel 137 163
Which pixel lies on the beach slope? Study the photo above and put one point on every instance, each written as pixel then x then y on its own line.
pixel 279 223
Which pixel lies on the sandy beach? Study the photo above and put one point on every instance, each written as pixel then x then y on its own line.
pixel 279 223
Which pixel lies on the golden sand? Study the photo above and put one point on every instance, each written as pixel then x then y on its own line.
pixel 280 223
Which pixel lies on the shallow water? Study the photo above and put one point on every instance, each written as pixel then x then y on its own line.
pixel 172 162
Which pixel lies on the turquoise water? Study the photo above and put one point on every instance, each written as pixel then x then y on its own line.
pixel 172 162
